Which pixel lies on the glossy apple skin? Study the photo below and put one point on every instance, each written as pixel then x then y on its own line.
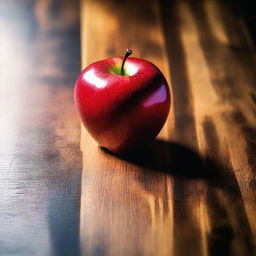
pixel 122 113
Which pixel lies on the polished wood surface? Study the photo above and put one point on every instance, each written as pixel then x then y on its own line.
pixel 190 193
pixel 40 158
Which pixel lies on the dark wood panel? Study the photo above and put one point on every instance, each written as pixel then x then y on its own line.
pixel 41 163
pixel 192 192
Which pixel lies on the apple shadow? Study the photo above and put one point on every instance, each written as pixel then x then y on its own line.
pixel 172 158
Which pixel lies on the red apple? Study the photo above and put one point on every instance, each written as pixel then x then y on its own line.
pixel 122 103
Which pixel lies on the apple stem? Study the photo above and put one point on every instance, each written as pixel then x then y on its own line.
pixel 128 52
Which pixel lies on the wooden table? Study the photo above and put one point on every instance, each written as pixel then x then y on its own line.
pixel 192 192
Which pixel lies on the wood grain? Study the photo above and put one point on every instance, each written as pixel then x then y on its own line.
pixel 192 192
pixel 40 170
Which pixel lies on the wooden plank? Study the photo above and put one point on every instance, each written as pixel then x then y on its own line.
pixel 133 214
pixel 40 170
pixel 205 60
pixel 192 192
